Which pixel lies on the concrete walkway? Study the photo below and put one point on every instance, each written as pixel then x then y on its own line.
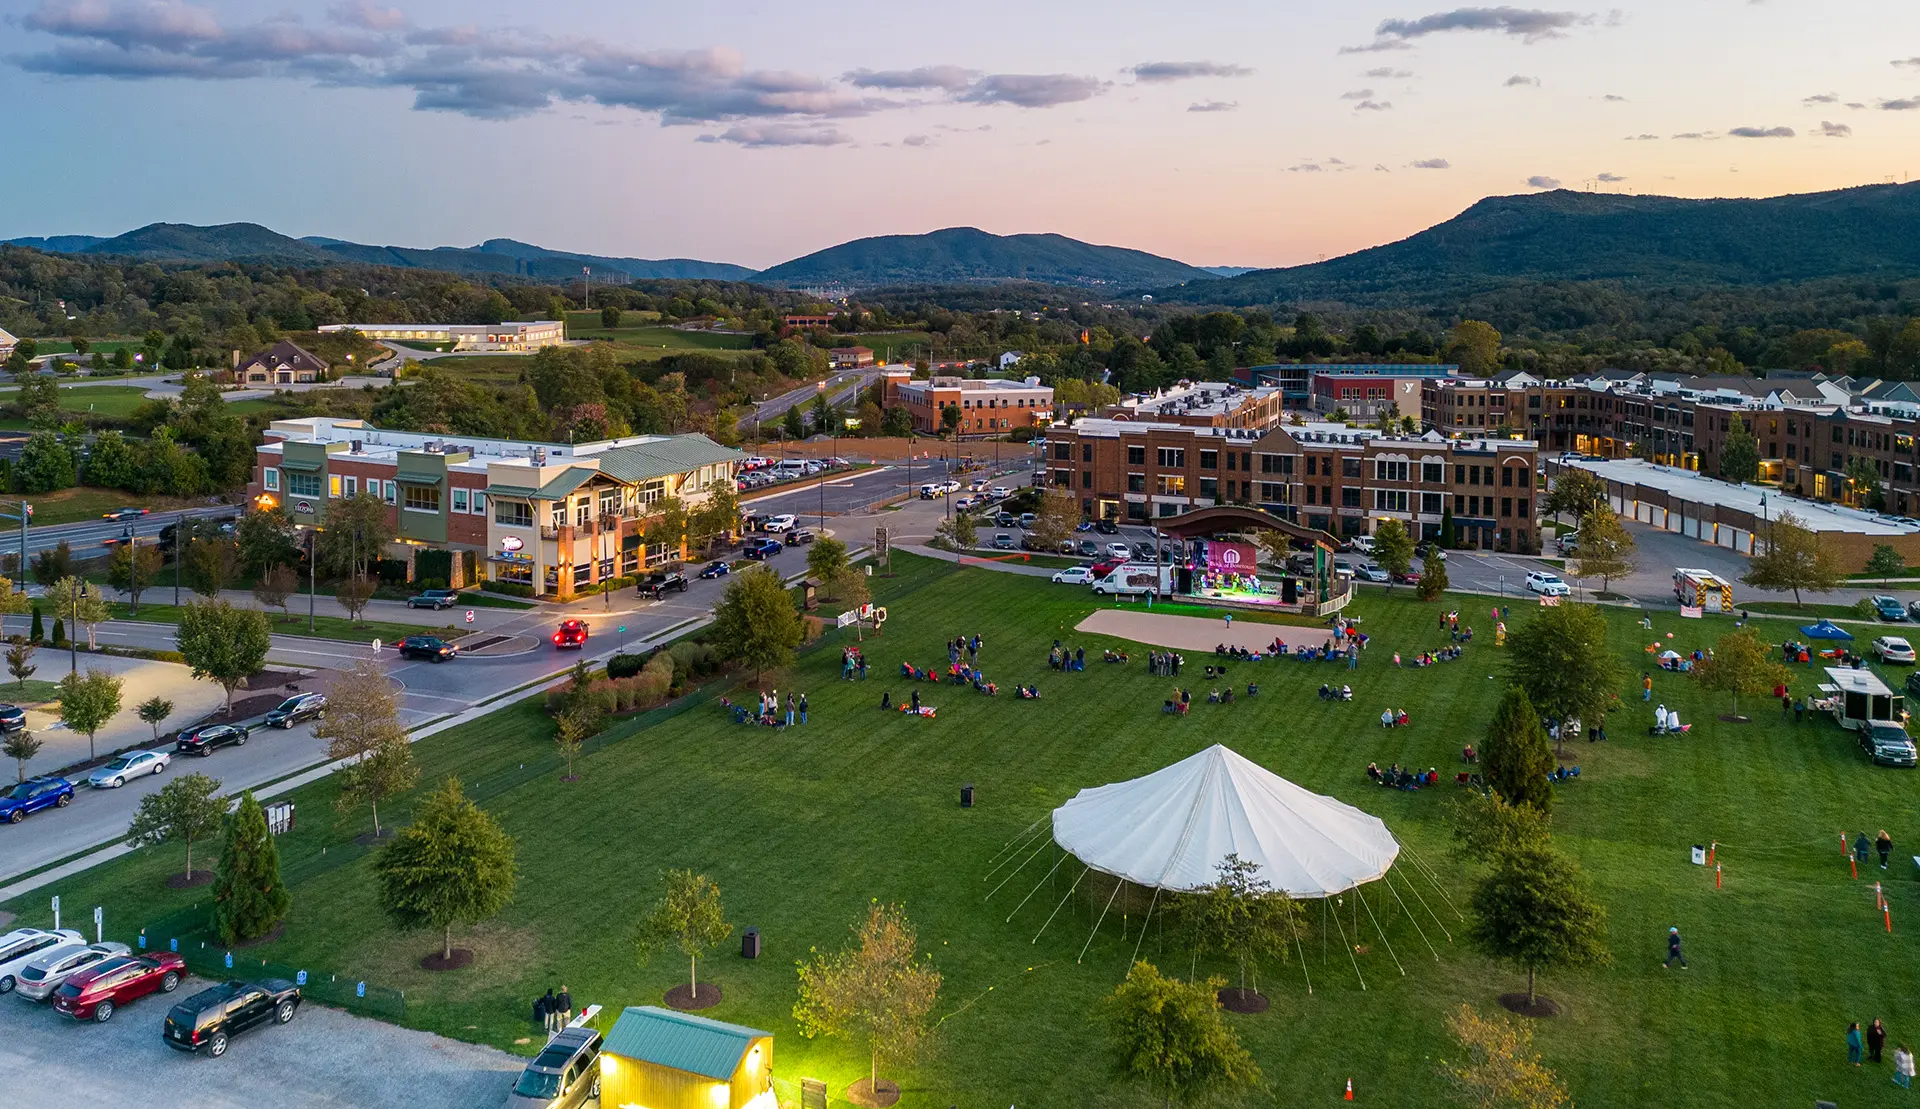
pixel 192 700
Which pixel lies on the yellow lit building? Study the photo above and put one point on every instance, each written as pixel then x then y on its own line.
pixel 661 1059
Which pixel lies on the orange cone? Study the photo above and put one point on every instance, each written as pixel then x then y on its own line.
pixel 1888 910
pixel 1716 876
pixel 1349 1096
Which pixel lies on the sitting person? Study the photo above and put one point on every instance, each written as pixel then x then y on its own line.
pixel 908 670
pixel 1386 718
pixel 1219 648
pixel 989 689
pixel 1210 672
pixel 1326 692
pixel 1226 696
pixel 1373 771
pixel 886 701
pixel 1468 754
pixel 1213 696
pixel 1346 693
pixel 1165 706
pixel 1433 776
pixel 1252 690
pixel 1400 721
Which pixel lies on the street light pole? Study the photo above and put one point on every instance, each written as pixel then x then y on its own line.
pixel 313 577
pixel 73 644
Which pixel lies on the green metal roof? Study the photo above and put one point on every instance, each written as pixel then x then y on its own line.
pixel 305 465
pixel 709 1048
pixel 573 477
pixel 673 454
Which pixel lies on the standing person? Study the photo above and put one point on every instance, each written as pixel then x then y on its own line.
pixel 1876 1039
pixel 1660 719
pixel 1883 843
pixel 1799 709
pixel 1853 1043
pixel 549 1006
pixel 540 1010
pixel 1860 848
pixel 1673 952
pixel 1786 701
pixel 803 708
pixel 789 708
pixel 1903 1067
pixel 916 702
pixel 1646 687
pixel 565 1003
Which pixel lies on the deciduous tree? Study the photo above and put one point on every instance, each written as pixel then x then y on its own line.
pixel 1475 345
pixel 880 991
pixel 88 702
pixel 1433 576
pixel 362 727
pixel 1170 1035
pixel 222 643
pixel 1793 558
pixel 275 588
pixel 53 563
pixel 1239 914
pixel 1739 455
pixel 20 660
pixel 1392 548
pixel 21 746
pixel 211 563
pixel 77 603
pixel 353 593
pixel 826 559
pixel 755 622
pixel 357 530
pixel 1575 491
pixel 266 539
pixel 1534 912
pixel 132 568
pixel 186 809
pixel 1057 518
pixel 1561 658
pixel 1741 663
pixel 1499 1068
pixel 154 712
pixel 452 865
pixel 1607 549
pixel 249 897
pixel 688 916
pixel 1885 562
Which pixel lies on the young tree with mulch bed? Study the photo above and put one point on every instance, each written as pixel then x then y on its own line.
pixel 20 660
pixel 362 726
pixel 21 746
pixel 1242 915
pixel 688 916
pixel 222 643
pixel 1170 1035
pixel 755 623
pixel 154 712
pixel 249 897
pixel 186 809
pixel 453 864
pixel 1500 1069
pixel 88 703
pixel 879 991
pixel 1535 912
pixel 1607 549
pixel 1741 663
pixel 1514 758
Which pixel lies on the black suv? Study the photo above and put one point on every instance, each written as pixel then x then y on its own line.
pixel 209 1019
pixel 203 740
pixel 658 585
pixel 428 647
pixel 13 717
pixel 300 706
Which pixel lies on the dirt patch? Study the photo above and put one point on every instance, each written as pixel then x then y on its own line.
pixel 189 881
pixel 1539 1007
pixel 372 839
pixel 1191 633
pixel 437 961
pixel 274 679
pixel 680 997
pixel 865 1094
pixel 274 933
pixel 1733 718
pixel 1236 1000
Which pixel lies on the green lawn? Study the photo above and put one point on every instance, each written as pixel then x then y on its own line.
pixel 67 506
pixel 110 400
pixel 802 829
pixel 325 627
pixel 33 691
pixel 665 340
pixel 1809 610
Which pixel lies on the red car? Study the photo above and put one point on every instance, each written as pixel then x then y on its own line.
pixel 94 993
pixel 572 633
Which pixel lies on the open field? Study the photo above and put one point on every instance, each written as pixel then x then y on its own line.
pixel 802 828
pixel 664 340
pixel 324 627
pixel 108 400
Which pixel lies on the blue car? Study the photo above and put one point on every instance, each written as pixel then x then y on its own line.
pixel 33 795
pixel 719 568
pixel 764 549
pixel 1889 609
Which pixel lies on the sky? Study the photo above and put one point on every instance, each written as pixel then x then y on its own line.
pixel 1251 133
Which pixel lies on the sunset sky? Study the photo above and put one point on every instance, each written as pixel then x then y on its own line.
pixel 1255 134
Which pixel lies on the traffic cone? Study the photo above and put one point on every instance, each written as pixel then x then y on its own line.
pixel 1888 910
pixel 1349 1096
pixel 1716 876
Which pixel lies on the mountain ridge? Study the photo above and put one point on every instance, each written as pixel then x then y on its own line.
pixel 968 255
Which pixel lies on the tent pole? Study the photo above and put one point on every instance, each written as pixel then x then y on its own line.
pixel 1428 871
pixel 1117 883
pixel 1025 841
pixel 1323 931
pixel 1303 963
pixel 1034 890
pixel 1388 944
pixel 1415 921
pixel 1143 928
pixel 1057 908
pixel 1015 870
pixel 1350 952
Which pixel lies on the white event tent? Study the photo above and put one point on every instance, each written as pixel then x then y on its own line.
pixel 1170 829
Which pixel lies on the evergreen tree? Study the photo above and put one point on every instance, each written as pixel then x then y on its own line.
pixel 1514 757
pixel 1433 576
pixel 792 424
pixel 1739 455
pixel 249 897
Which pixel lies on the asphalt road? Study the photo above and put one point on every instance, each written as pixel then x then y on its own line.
pixel 841 387
pixel 90 538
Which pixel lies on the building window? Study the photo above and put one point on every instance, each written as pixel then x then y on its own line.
pixel 1210 487
pixel 1311 459
pixel 303 485
pixel 389 492
pixel 1209 460
pixel 1350 467
pixel 1229 460
pixel 513 514
pixel 1350 496
pixel 422 498
pixel 1062 478
pixel 479 501
pixel 1506 506
pixel 1136 510
pixel 349 486
pixel 1173 457
pixel 1062 452
pixel 583 512
pixel 1169 510
pixel 1272 493
pixel 1086 479
pixel 1506 476
pixel 1390 500
pixel 1136 483
pixel 1173 485
pixel 1432 504
pixel 1524 506
pixel 1386 470
pixel 459 499
pixel 333 483
pixel 1433 473
pixel 1136 456
pixel 270 479
pixel 1086 452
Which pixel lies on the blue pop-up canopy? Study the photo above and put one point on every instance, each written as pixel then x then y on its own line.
pixel 1825 629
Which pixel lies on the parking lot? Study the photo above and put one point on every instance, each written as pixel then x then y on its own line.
pixel 325 1058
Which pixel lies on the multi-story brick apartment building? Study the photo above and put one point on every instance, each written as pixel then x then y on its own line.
pixel 1326 476
pixel 1362 388
pixel 988 406
pixel 553 515
pixel 1206 404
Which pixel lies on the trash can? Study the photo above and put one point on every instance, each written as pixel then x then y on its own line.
pixel 966 796
pixel 750 944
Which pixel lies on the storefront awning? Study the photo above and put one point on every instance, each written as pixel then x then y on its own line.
pixel 303 465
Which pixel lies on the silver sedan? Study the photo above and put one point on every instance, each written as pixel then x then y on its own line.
pixel 39 978
pixel 123 768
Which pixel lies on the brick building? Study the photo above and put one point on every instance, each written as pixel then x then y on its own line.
pixel 988 406
pixel 1205 404
pixel 850 357
pixel 1362 388
pixel 553 515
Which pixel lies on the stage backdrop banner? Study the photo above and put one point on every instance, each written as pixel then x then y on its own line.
pixel 1231 558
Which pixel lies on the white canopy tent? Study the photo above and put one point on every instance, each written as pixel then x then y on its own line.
pixel 1170 829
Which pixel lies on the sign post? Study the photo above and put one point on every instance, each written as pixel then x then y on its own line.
pixel 56 912
pixel 99 923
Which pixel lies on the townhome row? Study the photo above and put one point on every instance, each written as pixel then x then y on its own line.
pixel 555 516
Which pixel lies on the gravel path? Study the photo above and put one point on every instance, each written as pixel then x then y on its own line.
pixel 1192 633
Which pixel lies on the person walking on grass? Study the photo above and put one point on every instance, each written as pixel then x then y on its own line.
pixel 565 1004
pixel 803 708
pixel 1853 1043
pixel 1646 687
pixel 550 1005
pixel 1876 1040
pixel 1903 1067
pixel 1799 709
pixel 1673 950
pixel 1883 843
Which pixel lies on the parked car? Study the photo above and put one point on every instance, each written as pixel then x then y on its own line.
pixel 662 582
pixel 1006 520
pixel 1888 745
pixel 1146 551
pixel 800 537
pixel 1027 519
pixel 126 767
pixel 34 794
pixel 1889 609
pixel 1913 611
pixel 1363 544
pixel 1546 584
pixel 1074 575
pixel 23 945
pixel 1409 577
pixel 1892 648
pixel 1106 527
pixel 127 512
pixel 763 550
pixel 1120 551
pixel 1374 572
pixel 1433 550
pixel 782 522
pixel 718 568
pixel 1089 548
pixel 999 492
pixel 12 718
pixel 45 973
pixel 210 1019
pixel 572 634
pixel 300 706
pixel 1913 684
pixel 1003 541
pixel 207 738
pixel 434 598
pixel 99 991
pixel 565 1075
pixel 978 485
pixel 429 647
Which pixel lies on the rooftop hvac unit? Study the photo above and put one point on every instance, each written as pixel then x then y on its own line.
pixel 358 447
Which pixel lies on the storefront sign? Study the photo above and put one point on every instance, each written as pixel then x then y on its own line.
pixel 511 543
pixel 303 507
pixel 1230 558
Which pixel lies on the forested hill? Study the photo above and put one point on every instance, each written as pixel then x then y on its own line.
pixel 967 255
pixel 250 242
pixel 1871 231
